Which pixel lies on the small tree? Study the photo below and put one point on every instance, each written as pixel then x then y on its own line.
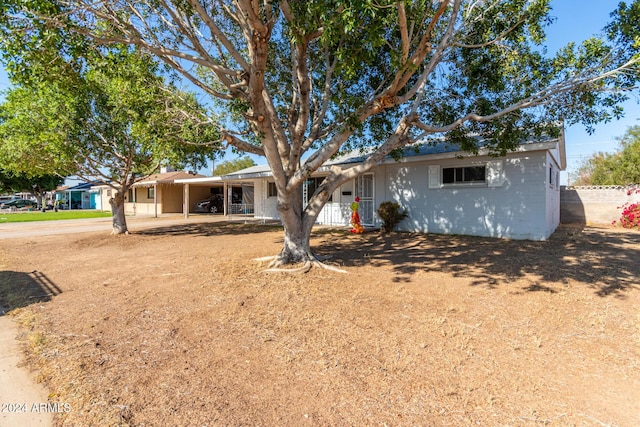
pixel 114 120
pixel 391 215
pixel 229 166
pixel 619 168
pixel 36 185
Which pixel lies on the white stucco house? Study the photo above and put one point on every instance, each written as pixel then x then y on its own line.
pixel 443 190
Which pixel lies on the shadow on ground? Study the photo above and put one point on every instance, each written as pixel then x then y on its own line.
pixel 603 260
pixel 18 289
pixel 211 229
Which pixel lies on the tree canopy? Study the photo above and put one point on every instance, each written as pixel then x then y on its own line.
pixel 300 82
pixel 37 185
pixel 237 164
pixel 619 168
pixel 114 120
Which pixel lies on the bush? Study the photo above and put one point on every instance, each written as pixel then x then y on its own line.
pixel 630 217
pixel 391 215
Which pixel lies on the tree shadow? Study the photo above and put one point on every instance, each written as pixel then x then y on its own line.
pixel 605 260
pixel 18 289
pixel 211 229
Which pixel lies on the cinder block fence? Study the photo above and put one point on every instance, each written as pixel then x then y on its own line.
pixel 594 204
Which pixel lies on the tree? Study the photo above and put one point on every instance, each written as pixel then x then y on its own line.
pixel 619 168
pixel 303 81
pixel 36 185
pixel 113 120
pixel 229 166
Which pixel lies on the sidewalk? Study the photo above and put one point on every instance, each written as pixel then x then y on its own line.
pixel 23 401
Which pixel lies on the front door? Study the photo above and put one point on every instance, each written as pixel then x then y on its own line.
pixel 364 190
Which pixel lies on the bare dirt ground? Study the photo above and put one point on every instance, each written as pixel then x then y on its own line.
pixel 175 326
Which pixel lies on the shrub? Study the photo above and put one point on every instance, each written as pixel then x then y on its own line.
pixel 630 216
pixel 391 215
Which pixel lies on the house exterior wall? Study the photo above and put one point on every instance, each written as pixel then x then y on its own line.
pixel 335 212
pixel 264 206
pixel 171 197
pixel 512 204
pixel 552 186
pixel 516 201
pixel 169 200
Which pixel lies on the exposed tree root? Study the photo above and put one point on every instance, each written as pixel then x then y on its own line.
pixel 305 268
pixel 265 258
pixel 329 267
pixel 275 266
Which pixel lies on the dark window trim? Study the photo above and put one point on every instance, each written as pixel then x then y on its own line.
pixel 464 176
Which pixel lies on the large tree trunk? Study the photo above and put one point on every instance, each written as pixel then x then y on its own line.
pixel 297 230
pixel 117 211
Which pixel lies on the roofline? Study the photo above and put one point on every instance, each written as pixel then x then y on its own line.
pixel 200 180
pixel 533 146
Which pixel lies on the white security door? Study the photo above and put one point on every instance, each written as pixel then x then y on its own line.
pixel 364 190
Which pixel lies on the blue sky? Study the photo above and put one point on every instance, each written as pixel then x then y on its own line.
pixel 575 21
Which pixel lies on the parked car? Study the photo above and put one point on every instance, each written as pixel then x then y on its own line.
pixel 20 203
pixel 213 204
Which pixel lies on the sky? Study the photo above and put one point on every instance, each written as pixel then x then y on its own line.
pixel 575 21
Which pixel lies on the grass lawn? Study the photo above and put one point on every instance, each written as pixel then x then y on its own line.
pixel 49 215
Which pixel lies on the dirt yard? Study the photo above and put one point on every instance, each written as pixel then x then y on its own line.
pixel 176 326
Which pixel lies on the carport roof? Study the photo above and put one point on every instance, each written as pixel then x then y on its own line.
pixel 167 178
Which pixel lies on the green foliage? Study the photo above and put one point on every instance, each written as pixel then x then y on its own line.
pixel 229 166
pixel 117 121
pixel 620 168
pixel 37 185
pixel 352 51
pixel 391 215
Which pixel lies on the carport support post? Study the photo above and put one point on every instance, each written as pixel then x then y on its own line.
pixel 185 208
pixel 155 200
pixel 225 204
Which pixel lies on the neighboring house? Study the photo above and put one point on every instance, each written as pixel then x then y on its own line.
pixel 81 196
pixel 442 189
pixel 160 194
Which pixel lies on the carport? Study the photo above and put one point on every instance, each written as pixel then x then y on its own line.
pixel 238 193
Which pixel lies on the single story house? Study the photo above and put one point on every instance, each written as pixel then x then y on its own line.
pixel 159 194
pixel 154 195
pixel 85 195
pixel 443 190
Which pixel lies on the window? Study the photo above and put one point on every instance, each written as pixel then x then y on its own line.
pixel 272 191
pixel 151 193
pixel 310 186
pixel 468 174
pixel 132 195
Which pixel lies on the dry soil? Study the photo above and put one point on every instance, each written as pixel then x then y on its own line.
pixel 176 326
